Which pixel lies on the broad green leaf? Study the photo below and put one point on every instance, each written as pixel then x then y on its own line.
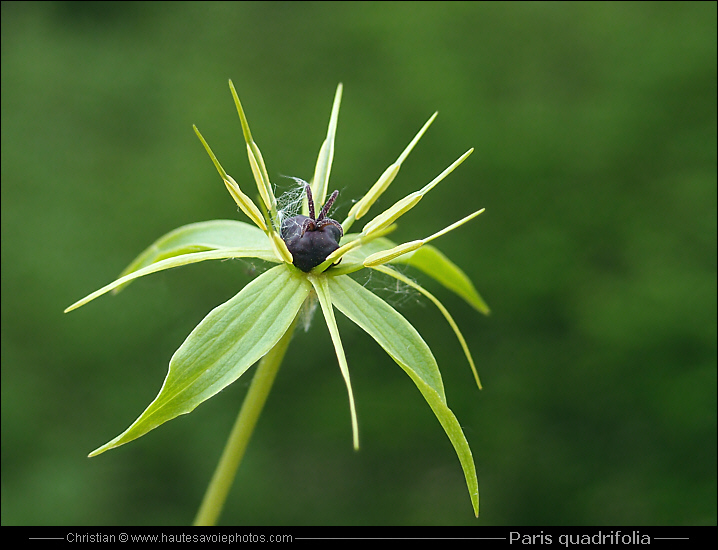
pixel 353 261
pixel 322 289
pixel 388 327
pixel 404 344
pixel 229 340
pixel 197 237
pixel 176 261
pixel 456 435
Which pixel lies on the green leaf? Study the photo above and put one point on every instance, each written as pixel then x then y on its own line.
pixel 222 347
pixel 388 327
pixel 404 344
pixel 322 289
pixel 197 237
pixel 184 259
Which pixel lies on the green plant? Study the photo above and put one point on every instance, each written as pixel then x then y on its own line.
pixel 257 323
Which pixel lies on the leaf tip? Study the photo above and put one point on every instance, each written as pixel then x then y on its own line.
pixel 96 452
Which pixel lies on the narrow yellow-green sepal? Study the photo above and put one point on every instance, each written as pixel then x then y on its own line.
pixel 385 256
pixel 336 255
pixel 245 203
pixel 216 163
pixel 323 293
pixel 263 186
pixel 363 205
pixel 240 111
pixel 390 215
pixel 280 248
pixel 256 161
pixel 323 168
pixel 242 200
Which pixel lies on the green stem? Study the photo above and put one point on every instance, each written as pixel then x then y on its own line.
pixel 223 477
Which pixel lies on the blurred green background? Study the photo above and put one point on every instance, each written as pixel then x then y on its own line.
pixel 595 133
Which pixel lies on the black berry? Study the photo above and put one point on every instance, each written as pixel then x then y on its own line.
pixel 311 239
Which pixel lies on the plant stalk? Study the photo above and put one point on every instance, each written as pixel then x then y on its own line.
pixel 218 488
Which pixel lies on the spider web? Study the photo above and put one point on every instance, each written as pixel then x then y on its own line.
pixel 289 203
pixel 397 294
pixel 393 291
